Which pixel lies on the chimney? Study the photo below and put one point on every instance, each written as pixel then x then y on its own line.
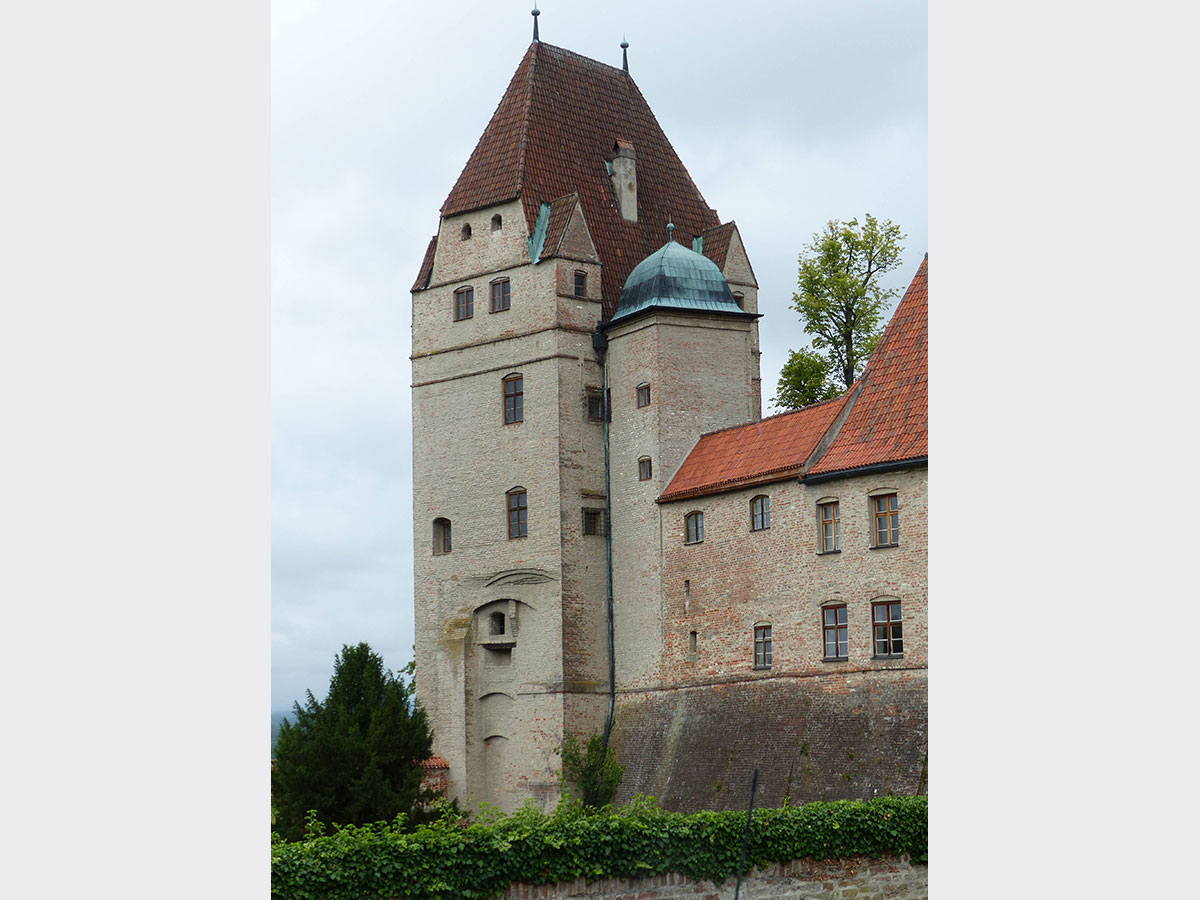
pixel 624 179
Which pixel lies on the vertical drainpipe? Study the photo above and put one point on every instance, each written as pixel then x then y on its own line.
pixel 600 345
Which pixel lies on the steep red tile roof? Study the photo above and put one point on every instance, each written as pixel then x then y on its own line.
pixel 770 450
pixel 889 422
pixel 434 762
pixel 554 128
pixel 426 266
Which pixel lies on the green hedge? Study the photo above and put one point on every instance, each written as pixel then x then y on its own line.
pixel 445 860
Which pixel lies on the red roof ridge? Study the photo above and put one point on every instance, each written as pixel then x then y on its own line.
pixel 780 415
pixel 523 140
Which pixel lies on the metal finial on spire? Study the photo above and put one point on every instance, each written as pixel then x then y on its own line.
pixel 670 231
pixel 624 54
pixel 536 12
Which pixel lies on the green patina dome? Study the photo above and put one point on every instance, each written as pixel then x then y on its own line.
pixel 675 277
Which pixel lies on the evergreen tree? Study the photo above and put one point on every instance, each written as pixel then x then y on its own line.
pixel 354 758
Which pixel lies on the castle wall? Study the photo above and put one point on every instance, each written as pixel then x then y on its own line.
pixel 843 736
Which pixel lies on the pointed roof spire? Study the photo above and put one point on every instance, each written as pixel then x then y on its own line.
pixel 624 54
pixel 670 230
pixel 536 12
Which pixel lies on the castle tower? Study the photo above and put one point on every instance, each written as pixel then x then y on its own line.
pixel 569 188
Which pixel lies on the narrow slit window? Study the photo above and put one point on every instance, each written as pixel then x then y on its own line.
pixel 581 284
pixel 762 646
pixel 441 536
pixel 518 514
pixel 514 399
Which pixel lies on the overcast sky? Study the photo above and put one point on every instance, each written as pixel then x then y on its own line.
pixel 786 114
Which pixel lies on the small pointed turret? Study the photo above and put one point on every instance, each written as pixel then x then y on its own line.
pixel 624 54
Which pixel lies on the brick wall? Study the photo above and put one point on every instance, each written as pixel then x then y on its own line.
pixel 860 878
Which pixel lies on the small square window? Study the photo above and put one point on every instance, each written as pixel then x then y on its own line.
pixel 643 395
pixel 886 516
pixel 834 627
pixel 760 513
pixel 694 527
pixel 887 624
pixel 464 304
pixel 593 521
pixel 762 646
pixel 645 469
pixel 500 295
pixel 831 528
pixel 580 284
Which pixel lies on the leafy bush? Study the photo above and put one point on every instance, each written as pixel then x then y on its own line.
pixel 444 859
pixel 592 770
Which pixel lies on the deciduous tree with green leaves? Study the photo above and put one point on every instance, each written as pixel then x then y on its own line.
pixel 354 758
pixel 841 303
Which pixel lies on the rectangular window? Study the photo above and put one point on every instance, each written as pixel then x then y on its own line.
pixel 833 619
pixel 762 646
pixel 694 527
pixel 644 469
pixel 887 520
pixel 500 295
pixel 831 528
pixel 464 304
pixel 760 513
pixel 514 399
pixel 593 521
pixel 441 536
pixel 595 405
pixel 643 395
pixel 886 620
pixel 580 284
pixel 518 516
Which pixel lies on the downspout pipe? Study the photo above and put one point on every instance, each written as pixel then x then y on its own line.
pixel 600 345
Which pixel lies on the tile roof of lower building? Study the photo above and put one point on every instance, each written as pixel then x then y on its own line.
pixel 886 419
pixel 889 421
pixel 434 762
pixel 769 450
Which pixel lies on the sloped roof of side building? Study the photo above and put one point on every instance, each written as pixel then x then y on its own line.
pixel 883 419
pixel 552 134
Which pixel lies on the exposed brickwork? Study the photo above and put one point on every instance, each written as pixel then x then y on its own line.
pixel 860 878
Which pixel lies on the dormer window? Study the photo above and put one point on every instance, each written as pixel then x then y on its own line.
pixel 465 235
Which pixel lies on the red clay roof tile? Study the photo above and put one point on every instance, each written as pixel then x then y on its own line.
pixel 550 135
pixel 422 281
pixel 770 450
pixel 889 421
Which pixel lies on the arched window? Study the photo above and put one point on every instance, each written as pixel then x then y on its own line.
pixel 496 623
pixel 643 394
pixel 441 536
pixel 496 222
pixel 835 629
pixel 466 232
pixel 887 628
pixel 464 303
pixel 762 645
pixel 693 524
pixel 514 398
pixel 645 468
pixel 760 513
pixel 518 513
